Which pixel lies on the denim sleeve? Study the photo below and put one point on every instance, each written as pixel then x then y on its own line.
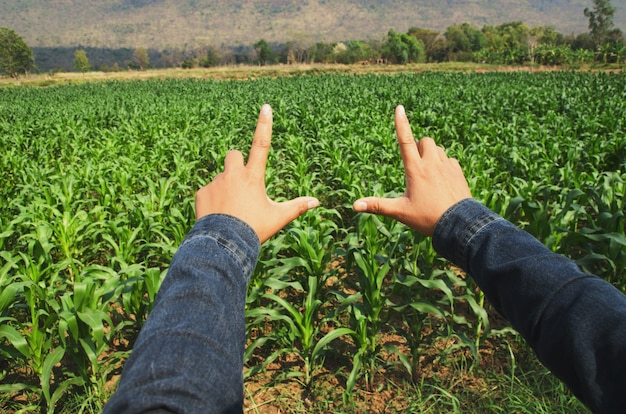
pixel 188 357
pixel 575 322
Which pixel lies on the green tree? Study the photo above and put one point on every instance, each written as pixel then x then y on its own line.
pixel 322 52
pixel 81 61
pixel 141 58
pixel 600 20
pixel 265 54
pixel 352 52
pixel 457 39
pixel 463 40
pixel 506 43
pixel 188 63
pixel 545 35
pixel 582 41
pixel 394 50
pixel 402 48
pixel 416 48
pixel 16 56
pixel 545 42
pixel 210 58
pixel 427 36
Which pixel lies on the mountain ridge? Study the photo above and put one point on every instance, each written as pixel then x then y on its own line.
pixel 167 24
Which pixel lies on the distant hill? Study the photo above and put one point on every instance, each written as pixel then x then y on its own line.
pixel 163 24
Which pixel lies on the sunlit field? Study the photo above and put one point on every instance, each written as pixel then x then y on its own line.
pixel 345 312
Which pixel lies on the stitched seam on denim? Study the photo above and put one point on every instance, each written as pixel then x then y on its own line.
pixel 476 228
pixel 233 250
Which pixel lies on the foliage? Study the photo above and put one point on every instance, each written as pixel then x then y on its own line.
pixel 141 58
pixel 427 36
pixel 265 54
pixel 15 55
pixel 463 40
pixel 506 43
pixel 210 59
pixel 353 52
pixel 188 64
pixel 81 61
pixel 600 20
pixel 98 187
pixel 402 48
pixel 321 52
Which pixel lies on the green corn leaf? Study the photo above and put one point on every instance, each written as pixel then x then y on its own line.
pixel 50 361
pixel 61 389
pixel 355 372
pixel 478 310
pixel 465 341
pixel 95 318
pixel 438 284
pixel 614 237
pixel 422 307
pixel 8 294
pixel 11 263
pixel 329 337
pixel 404 360
pixel 89 348
pixel 68 327
pixel 16 339
pixel 278 284
pixel 14 388
pixel 295 314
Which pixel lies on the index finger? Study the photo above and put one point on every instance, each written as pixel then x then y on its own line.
pixel 408 146
pixel 262 140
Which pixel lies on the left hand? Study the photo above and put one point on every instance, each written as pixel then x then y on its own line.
pixel 239 190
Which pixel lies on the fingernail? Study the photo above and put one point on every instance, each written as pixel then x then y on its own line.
pixel 313 203
pixel 401 110
pixel 360 206
pixel 266 109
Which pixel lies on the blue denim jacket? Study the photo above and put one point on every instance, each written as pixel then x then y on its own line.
pixel 189 354
pixel 188 357
pixel 575 322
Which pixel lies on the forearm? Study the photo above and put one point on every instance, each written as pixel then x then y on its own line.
pixel 575 322
pixel 189 354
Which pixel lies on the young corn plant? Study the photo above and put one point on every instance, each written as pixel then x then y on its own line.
pixel 298 304
pixel 599 235
pixel 99 184
pixel 420 295
pixel 33 336
pixel 86 328
pixel 367 254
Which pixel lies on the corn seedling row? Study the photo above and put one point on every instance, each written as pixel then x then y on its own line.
pixel 98 181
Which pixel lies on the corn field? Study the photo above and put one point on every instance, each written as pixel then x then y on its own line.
pixel 96 192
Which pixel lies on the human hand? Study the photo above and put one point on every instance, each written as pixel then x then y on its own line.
pixel 434 183
pixel 239 190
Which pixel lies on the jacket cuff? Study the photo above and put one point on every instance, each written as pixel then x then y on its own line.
pixel 232 234
pixel 456 228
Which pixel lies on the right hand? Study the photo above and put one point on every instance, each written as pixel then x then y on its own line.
pixel 434 183
pixel 239 190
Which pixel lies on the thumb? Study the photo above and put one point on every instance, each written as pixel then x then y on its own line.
pixel 292 209
pixel 377 205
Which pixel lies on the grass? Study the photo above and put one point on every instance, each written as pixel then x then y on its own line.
pixel 506 379
pixel 245 72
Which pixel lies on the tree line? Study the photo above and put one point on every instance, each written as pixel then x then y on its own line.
pixel 508 43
